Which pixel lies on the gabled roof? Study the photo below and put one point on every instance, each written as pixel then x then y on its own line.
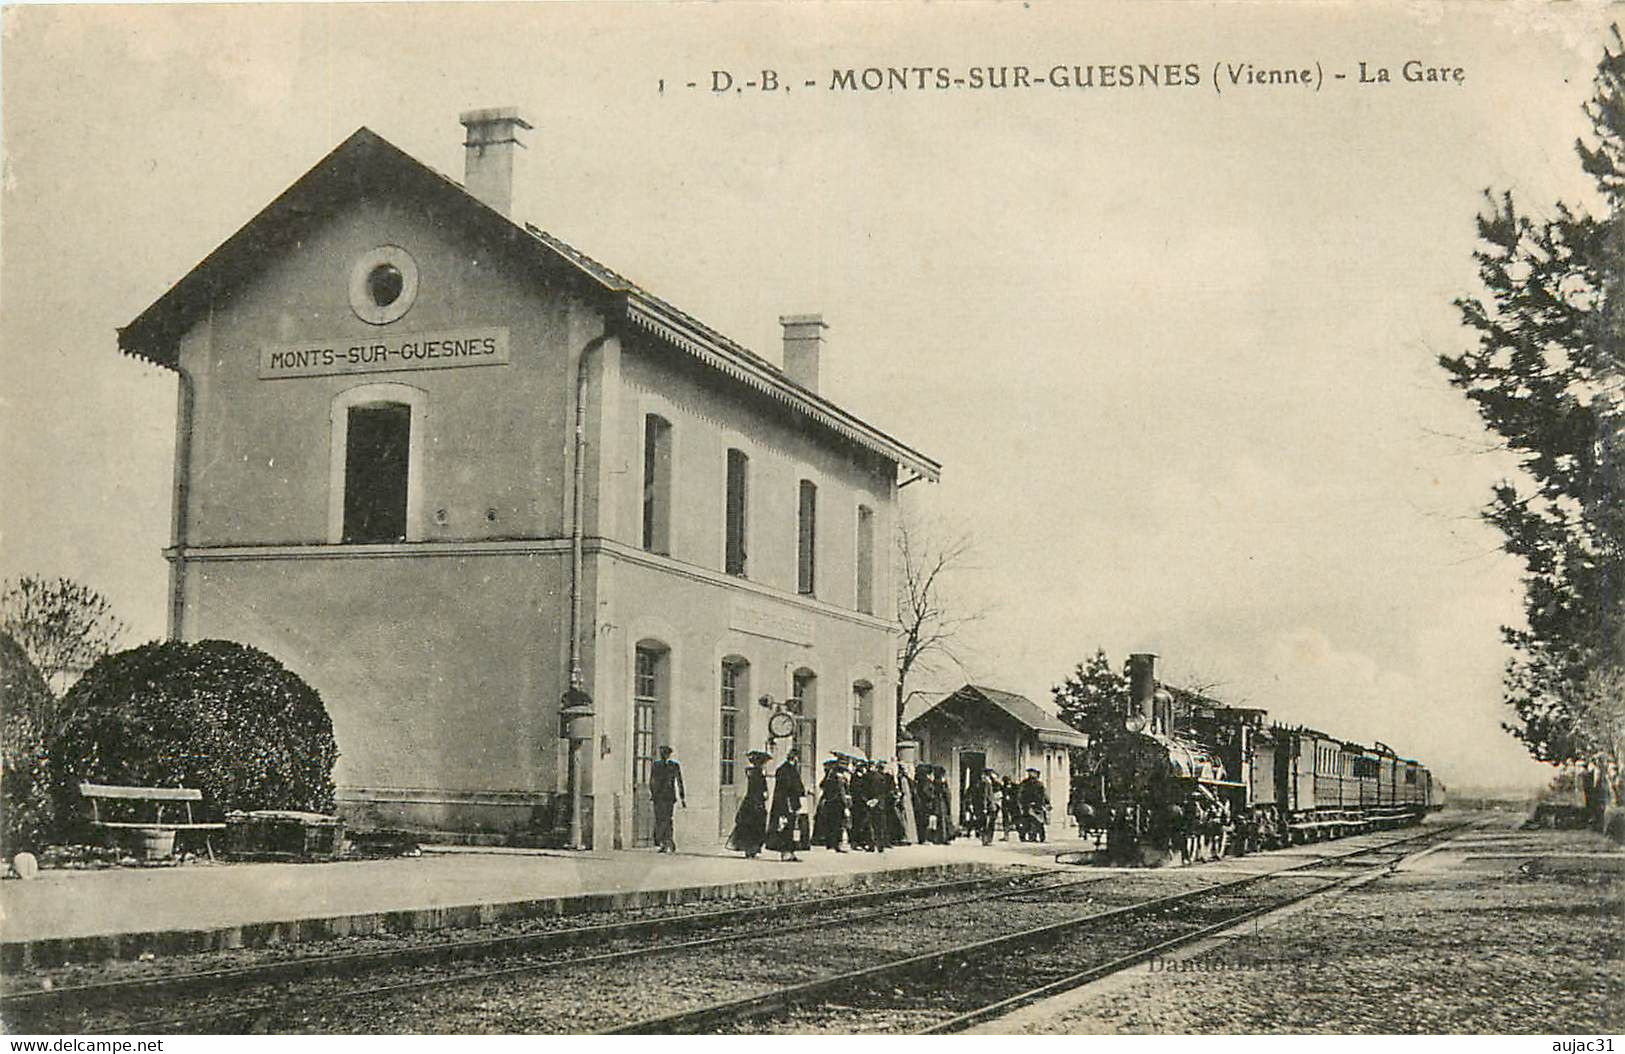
pixel 365 161
pixel 1017 708
pixel 919 702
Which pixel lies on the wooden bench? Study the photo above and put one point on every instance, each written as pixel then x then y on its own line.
pixel 95 794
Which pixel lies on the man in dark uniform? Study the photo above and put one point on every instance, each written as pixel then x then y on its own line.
pixel 666 790
pixel 1034 807
pixel 781 817
pixel 988 804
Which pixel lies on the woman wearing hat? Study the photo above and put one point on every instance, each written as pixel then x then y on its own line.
pixel 750 822
pixel 834 805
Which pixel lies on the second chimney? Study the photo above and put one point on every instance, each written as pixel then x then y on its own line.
pixel 803 341
pixel 491 155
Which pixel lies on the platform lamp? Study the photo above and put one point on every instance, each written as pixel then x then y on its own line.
pixel 575 724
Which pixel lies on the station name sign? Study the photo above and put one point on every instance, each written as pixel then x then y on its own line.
pixel 408 351
pixel 767 619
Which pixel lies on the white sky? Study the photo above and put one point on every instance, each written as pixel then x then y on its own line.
pixel 1174 347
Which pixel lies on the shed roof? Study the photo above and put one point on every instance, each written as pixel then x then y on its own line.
pixel 1018 708
pixel 365 161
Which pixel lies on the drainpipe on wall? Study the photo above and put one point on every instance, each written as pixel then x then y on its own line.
pixel 576 709
pixel 185 399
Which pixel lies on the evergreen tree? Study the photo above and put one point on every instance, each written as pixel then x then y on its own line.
pixel 1093 696
pixel 1548 377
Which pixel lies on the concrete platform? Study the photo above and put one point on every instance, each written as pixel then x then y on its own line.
pixel 90 915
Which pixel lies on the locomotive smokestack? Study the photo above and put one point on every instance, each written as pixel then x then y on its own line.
pixel 1142 682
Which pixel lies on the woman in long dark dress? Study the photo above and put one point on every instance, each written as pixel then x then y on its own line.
pixel 781 818
pixel 750 822
pixel 834 804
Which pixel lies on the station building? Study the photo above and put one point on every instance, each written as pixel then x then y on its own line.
pixel 977 728
pixel 450 470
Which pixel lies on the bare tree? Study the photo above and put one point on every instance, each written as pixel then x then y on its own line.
pixel 929 622
pixel 62 626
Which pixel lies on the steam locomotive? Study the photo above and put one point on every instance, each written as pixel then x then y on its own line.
pixel 1178 760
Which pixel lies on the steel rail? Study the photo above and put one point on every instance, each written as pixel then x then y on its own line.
pixel 733 1010
pixel 180 1024
pixel 36 1000
pixel 1123 962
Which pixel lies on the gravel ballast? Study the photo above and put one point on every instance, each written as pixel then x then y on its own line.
pixel 1504 936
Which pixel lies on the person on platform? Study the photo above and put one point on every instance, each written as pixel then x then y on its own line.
pixel 859 816
pixel 880 795
pixel 1219 828
pixel 1169 830
pixel 945 805
pixel 923 797
pixel 830 822
pixel 1195 822
pixel 750 821
pixel 666 790
pixel 1009 807
pixel 1034 807
pixel 970 805
pixel 906 830
pixel 1078 807
pixel 990 802
pixel 781 818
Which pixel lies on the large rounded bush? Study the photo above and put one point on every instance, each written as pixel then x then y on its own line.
pixel 27 811
pixel 219 716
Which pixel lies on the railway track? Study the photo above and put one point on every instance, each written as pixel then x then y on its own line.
pixel 951 989
pixel 941 945
pixel 85 1007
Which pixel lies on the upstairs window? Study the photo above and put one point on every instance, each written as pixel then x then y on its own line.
pixel 657 484
pixel 807 539
pixel 866 560
pixel 377 460
pixel 736 513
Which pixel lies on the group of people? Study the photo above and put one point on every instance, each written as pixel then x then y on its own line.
pixel 1201 826
pixel 1021 807
pixel 865 805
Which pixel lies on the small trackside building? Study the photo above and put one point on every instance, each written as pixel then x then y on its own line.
pixel 448 468
pixel 977 728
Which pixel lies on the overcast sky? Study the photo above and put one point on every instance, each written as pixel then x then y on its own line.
pixel 1173 345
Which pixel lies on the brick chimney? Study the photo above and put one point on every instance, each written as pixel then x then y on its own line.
pixel 803 341
pixel 491 155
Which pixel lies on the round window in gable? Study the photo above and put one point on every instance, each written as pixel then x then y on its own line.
pixel 383 284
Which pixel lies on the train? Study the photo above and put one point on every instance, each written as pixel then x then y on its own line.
pixel 1177 761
